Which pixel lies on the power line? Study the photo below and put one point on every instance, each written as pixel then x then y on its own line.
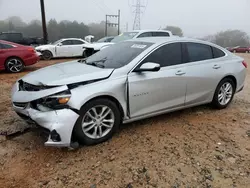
pixel 138 12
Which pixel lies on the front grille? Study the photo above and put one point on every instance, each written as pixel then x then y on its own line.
pixel 20 105
pixel 24 86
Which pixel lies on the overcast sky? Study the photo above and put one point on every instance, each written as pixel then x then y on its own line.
pixel 196 17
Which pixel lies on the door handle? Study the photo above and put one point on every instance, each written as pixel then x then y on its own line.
pixel 216 66
pixel 179 73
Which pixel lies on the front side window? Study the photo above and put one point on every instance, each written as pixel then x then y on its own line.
pixel 147 34
pixel 117 55
pixel 198 52
pixel 167 55
pixel 67 42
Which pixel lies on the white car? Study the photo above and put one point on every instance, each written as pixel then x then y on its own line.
pixel 70 47
pixel 95 47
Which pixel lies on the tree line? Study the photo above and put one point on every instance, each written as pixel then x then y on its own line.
pixel 56 30
pixel 65 29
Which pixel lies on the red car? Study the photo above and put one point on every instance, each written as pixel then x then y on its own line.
pixel 14 57
pixel 240 49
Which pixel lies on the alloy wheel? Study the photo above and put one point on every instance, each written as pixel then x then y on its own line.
pixel 98 122
pixel 225 93
pixel 14 65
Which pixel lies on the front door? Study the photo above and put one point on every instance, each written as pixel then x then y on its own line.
pixel 64 49
pixel 150 92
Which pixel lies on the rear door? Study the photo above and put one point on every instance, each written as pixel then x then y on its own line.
pixel 77 48
pixel 150 92
pixel 203 71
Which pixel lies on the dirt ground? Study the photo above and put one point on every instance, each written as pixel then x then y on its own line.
pixel 198 147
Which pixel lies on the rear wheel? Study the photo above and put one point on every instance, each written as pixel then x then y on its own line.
pixel 99 119
pixel 224 93
pixel 14 65
pixel 47 55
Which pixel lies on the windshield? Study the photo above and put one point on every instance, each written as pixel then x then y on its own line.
pixel 124 36
pixel 117 55
pixel 55 43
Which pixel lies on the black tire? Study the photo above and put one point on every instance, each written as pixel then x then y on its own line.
pixel 78 133
pixel 10 68
pixel 215 101
pixel 47 55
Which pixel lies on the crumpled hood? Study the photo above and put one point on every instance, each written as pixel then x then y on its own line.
pixel 66 73
pixel 47 46
pixel 97 46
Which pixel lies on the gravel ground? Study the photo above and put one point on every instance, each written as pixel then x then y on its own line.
pixel 197 147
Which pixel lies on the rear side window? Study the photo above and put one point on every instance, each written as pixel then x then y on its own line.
pixel 5 46
pixel 166 55
pixel 147 34
pixel 77 42
pixel 217 52
pixel 160 34
pixel 199 52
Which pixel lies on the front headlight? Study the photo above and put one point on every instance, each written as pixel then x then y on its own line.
pixel 53 102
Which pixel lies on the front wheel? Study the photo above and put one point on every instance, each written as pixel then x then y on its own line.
pixel 224 93
pixel 14 65
pixel 47 55
pixel 99 119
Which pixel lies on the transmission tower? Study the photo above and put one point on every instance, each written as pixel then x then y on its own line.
pixel 137 21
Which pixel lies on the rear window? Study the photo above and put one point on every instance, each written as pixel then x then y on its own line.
pixel 217 52
pixel 5 46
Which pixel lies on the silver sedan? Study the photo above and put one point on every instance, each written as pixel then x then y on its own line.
pixel 85 101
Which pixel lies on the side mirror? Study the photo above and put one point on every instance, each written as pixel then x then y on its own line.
pixel 59 44
pixel 148 67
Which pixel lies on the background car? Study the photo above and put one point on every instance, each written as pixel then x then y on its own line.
pixel 105 39
pixel 87 100
pixel 14 57
pixel 18 38
pixel 93 48
pixel 70 47
pixel 239 49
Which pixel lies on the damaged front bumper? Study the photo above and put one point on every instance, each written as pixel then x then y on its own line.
pixel 60 123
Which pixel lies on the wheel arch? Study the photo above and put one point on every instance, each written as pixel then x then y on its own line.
pixel 11 57
pixel 232 78
pixel 111 98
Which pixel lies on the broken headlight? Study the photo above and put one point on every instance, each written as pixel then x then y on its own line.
pixel 53 102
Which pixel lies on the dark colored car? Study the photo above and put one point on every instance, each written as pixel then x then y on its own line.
pixel 18 38
pixel 14 57
pixel 239 49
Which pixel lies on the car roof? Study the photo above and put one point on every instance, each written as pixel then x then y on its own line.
pixel 162 40
pixel 150 30
pixel 72 39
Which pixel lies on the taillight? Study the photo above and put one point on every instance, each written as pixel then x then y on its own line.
pixel 245 64
pixel 31 50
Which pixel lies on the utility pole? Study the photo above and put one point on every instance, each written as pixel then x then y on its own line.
pixel 138 12
pixel 117 24
pixel 45 34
